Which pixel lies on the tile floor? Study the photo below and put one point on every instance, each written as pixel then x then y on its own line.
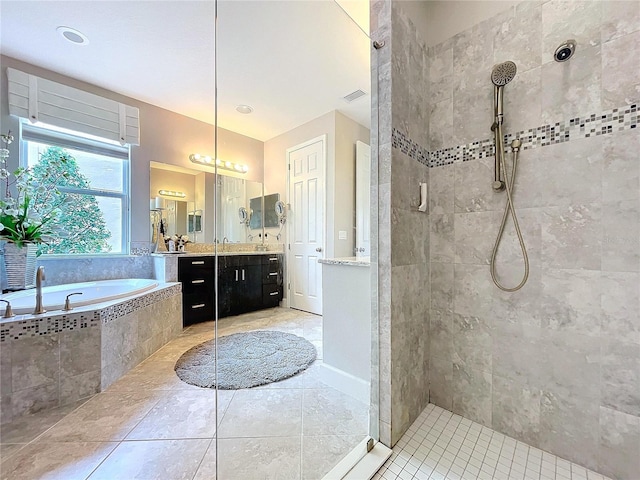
pixel 441 445
pixel 149 425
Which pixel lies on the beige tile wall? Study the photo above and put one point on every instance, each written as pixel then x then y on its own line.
pixel 556 364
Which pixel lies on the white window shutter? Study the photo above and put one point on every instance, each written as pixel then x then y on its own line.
pixel 41 100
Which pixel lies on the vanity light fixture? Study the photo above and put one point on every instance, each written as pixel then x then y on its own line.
pixel 172 193
pixel 72 35
pixel 207 160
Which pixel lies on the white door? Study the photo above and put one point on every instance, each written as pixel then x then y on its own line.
pixel 306 228
pixel 363 199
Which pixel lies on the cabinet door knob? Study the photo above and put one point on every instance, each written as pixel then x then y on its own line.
pixel 198 262
pixel 197 281
pixel 200 305
pixel 319 249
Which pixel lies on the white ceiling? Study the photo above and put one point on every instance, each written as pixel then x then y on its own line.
pixel 292 61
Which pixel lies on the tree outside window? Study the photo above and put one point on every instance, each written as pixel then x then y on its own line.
pixel 80 223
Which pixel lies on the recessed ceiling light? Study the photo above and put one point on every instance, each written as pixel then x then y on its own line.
pixel 244 109
pixel 73 35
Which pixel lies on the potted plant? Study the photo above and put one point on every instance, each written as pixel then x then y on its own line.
pixel 27 207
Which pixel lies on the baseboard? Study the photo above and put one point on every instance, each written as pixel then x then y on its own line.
pixel 360 464
pixel 346 383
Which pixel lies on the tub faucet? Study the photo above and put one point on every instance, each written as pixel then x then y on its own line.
pixel 39 278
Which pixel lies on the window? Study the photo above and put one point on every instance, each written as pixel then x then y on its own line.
pixel 94 215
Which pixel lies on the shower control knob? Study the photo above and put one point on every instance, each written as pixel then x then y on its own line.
pixel 498 186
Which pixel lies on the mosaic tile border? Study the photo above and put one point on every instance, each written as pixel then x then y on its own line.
pixel 49 325
pixel 407 146
pixel 35 327
pixel 607 122
pixel 113 312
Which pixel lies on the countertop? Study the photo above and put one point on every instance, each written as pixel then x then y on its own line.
pixel 211 254
pixel 351 261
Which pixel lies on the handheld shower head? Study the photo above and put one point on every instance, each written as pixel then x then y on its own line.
pixel 503 73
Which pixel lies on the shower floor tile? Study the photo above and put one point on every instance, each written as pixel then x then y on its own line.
pixel 443 446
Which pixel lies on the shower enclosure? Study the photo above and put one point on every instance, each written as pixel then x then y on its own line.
pixel 554 364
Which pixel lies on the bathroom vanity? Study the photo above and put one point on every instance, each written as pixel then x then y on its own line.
pixel 247 281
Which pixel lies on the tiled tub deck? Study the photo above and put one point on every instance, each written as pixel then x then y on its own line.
pixel 60 357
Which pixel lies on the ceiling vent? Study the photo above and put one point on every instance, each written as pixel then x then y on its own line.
pixel 353 96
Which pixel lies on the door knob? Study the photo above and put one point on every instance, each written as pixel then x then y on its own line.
pixel 319 249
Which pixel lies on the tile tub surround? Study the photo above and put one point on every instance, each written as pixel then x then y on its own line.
pixel 555 364
pixel 62 270
pixel 55 359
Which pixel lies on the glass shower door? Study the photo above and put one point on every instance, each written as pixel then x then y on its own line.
pixel 293 100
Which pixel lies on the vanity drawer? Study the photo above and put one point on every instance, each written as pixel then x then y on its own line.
pixel 198 284
pixel 195 264
pixel 270 273
pixel 271 259
pixel 197 308
pixel 271 295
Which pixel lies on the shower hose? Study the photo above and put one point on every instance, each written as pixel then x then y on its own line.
pixel 508 183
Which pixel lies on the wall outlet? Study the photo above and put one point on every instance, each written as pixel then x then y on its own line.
pixel 342 235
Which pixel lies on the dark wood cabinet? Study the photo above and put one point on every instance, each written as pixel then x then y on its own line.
pixel 245 283
pixel 197 275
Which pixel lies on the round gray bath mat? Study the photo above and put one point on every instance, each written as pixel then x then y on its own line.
pixel 246 360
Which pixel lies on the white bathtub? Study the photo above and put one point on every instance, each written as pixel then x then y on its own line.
pixel 92 292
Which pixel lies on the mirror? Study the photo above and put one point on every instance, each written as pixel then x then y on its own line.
pixel 194 222
pixel 280 210
pixel 266 216
pixel 190 215
pixel 244 215
pixel 263 211
pixel 175 214
pixel 271 218
pixel 238 217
